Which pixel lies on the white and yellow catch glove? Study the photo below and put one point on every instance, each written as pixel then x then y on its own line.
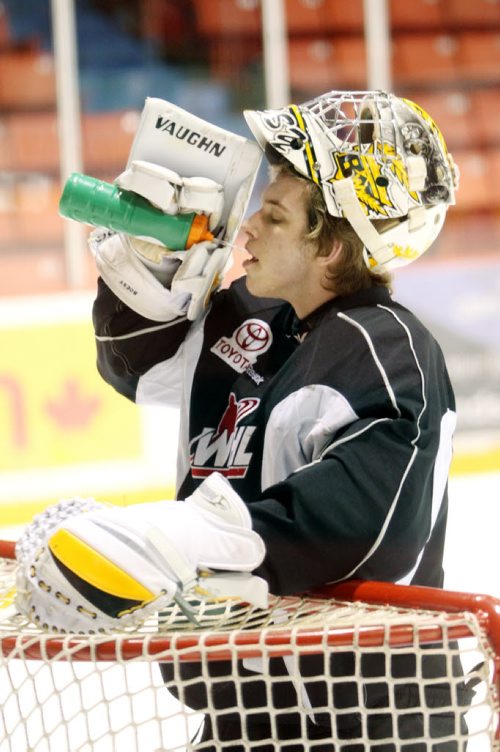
pixel 86 566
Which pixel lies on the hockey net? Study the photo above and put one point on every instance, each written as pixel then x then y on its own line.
pixel 364 661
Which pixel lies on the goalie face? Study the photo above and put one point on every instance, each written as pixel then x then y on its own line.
pixel 375 157
pixel 282 264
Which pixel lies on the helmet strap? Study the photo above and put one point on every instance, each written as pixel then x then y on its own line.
pixel 353 212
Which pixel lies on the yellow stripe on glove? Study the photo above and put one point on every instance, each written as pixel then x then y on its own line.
pixel 95 569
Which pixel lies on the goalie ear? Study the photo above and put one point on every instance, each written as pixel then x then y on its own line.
pixel 328 258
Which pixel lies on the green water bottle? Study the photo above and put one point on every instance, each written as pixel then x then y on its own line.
pixel 102 204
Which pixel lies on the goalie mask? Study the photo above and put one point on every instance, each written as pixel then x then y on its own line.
pixel 375 157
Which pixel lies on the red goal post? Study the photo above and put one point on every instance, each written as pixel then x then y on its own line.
pixel 102 693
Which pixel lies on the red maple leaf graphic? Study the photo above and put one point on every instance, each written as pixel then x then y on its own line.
pixel 73 408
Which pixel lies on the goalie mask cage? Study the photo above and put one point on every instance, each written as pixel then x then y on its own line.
pixel 374 664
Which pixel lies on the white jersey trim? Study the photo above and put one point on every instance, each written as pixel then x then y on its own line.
pixel 440 478
pixel 320 411
pixel 422 377
pixel 140 332
pixel 392 396
pixel 379 365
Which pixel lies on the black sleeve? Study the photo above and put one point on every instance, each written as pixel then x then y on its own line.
pixel 362 511
pixel 129 345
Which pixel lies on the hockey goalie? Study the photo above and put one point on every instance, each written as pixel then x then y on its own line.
pixel 316 411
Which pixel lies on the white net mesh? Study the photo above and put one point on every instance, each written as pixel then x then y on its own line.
pixel 307 673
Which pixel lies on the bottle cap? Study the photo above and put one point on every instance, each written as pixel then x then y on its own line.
pixel 199 231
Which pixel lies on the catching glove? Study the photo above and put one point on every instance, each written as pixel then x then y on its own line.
pixel 86 567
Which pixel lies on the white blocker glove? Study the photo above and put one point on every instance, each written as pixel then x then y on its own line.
pixel 86 567
pixel 131 279
pixel 172 194
pixel 199 275
pixel 133 269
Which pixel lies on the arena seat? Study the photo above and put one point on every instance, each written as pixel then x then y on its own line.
pixel 493 161
pixel 424 59
pixel 32 219
pixel 228 57
pixel 474 191
pixel 321 16
pixel 317 65
pixel 227 17
pixel 5 155
pixel 29 141
pixel 438 60
pixel 478 56
pixel 32 142
pixel 466 14
pixel 106 140
pixel 418 14
pixel 165 21
pixel 27 80
pixel 486 115
pixel 5 31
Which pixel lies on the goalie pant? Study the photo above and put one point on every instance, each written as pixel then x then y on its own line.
pixel 335 430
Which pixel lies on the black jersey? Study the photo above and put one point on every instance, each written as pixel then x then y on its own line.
pixel 335 430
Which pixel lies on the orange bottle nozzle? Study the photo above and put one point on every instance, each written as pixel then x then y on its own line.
pixel 199 231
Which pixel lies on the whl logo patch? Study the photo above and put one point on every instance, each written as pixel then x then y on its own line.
pixel 247 343
pixel 224 449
